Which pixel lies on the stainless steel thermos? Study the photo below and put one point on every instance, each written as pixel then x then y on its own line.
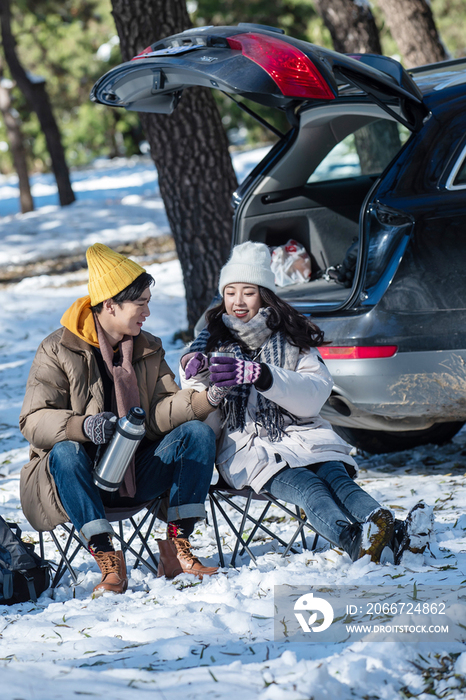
pixel 110 471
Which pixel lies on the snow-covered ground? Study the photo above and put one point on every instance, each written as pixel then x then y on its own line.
pixel 170 639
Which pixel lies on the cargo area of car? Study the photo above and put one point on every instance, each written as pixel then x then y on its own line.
pixel 315 199
pixel 324 218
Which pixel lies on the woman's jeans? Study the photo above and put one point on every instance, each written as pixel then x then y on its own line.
pixel 328 496
pixel 182 463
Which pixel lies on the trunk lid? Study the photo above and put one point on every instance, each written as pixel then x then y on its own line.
pixel 258 63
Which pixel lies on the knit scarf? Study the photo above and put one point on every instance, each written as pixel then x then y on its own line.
pixel 272 348
pixel 126 392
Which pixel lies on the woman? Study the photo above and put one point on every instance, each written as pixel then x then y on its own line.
pixel 269 393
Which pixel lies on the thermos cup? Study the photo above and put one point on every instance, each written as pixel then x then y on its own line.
pixel 110 471
pixel 213 355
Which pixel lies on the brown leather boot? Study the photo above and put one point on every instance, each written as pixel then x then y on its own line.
pixel 113 568
pixel 176 558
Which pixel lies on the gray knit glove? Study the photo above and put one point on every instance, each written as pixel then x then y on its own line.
pixel 100 428
pixel 216 394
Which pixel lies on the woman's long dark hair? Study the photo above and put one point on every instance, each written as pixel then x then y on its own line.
pixel 299 330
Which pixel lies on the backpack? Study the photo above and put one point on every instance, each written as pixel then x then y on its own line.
pixel 23 574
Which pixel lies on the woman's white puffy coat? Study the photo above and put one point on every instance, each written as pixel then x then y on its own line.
pixel 249 458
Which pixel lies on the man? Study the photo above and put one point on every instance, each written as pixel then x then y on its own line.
pixel 94 368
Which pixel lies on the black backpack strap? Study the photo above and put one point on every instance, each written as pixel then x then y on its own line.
pixel 16 528
pixel 30 585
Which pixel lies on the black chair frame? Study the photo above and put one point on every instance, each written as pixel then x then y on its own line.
pixel 225 494
pixel 150 561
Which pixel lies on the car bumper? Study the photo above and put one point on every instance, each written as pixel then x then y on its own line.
pixel 409 391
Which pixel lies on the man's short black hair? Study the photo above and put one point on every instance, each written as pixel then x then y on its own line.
pixel 130 293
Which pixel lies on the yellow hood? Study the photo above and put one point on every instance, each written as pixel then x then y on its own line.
pixel 79 320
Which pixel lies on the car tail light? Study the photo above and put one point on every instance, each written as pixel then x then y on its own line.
pixel 290 68
pixel 143 53
pixel 355 352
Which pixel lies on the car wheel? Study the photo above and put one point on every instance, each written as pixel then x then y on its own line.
pixel 379 441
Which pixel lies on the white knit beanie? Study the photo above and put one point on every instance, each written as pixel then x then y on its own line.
pixel 248 263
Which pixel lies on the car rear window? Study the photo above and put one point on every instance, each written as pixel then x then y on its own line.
pixel 366 151
pixel 460 179
pixel 457 176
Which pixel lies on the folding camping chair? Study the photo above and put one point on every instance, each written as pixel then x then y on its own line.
pixel 220 493
pixel 140 535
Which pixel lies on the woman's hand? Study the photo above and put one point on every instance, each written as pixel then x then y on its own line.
pixel 193 363
pixel 229 372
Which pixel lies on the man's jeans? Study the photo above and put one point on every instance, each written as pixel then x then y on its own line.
pixel 182 462
pixel 328 496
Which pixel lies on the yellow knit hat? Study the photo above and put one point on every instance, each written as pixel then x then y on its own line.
pixel 109 272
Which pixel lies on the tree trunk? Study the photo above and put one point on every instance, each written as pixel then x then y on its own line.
pixel 376 144
pixel 412 25
pixel 190 151
pixel 36 94
pixel 351 25
pixel 353 30
pixel 18 152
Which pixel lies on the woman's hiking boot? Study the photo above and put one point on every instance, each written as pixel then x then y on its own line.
pixel 414 533
pixel 176 558
pixel 369 537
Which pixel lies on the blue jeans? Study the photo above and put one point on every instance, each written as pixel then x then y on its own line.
pixel 328 496
pixel 181 462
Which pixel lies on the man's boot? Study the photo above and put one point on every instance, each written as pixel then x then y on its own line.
pixel 176 558
pixel 113 568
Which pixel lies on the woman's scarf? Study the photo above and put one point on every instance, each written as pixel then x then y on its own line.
pixel 266 346
pixel 126 392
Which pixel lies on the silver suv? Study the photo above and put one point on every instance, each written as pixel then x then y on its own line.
pixel 371 179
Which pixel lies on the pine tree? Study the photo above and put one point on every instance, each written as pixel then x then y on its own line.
pixel 190 151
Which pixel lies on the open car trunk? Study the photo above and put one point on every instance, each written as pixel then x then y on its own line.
pixel 322 197
pixel 321 193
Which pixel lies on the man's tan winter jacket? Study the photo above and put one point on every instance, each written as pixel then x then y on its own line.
pixel 64 386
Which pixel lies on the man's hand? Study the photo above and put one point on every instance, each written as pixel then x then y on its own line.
pixel 100 428
pixel 216 394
